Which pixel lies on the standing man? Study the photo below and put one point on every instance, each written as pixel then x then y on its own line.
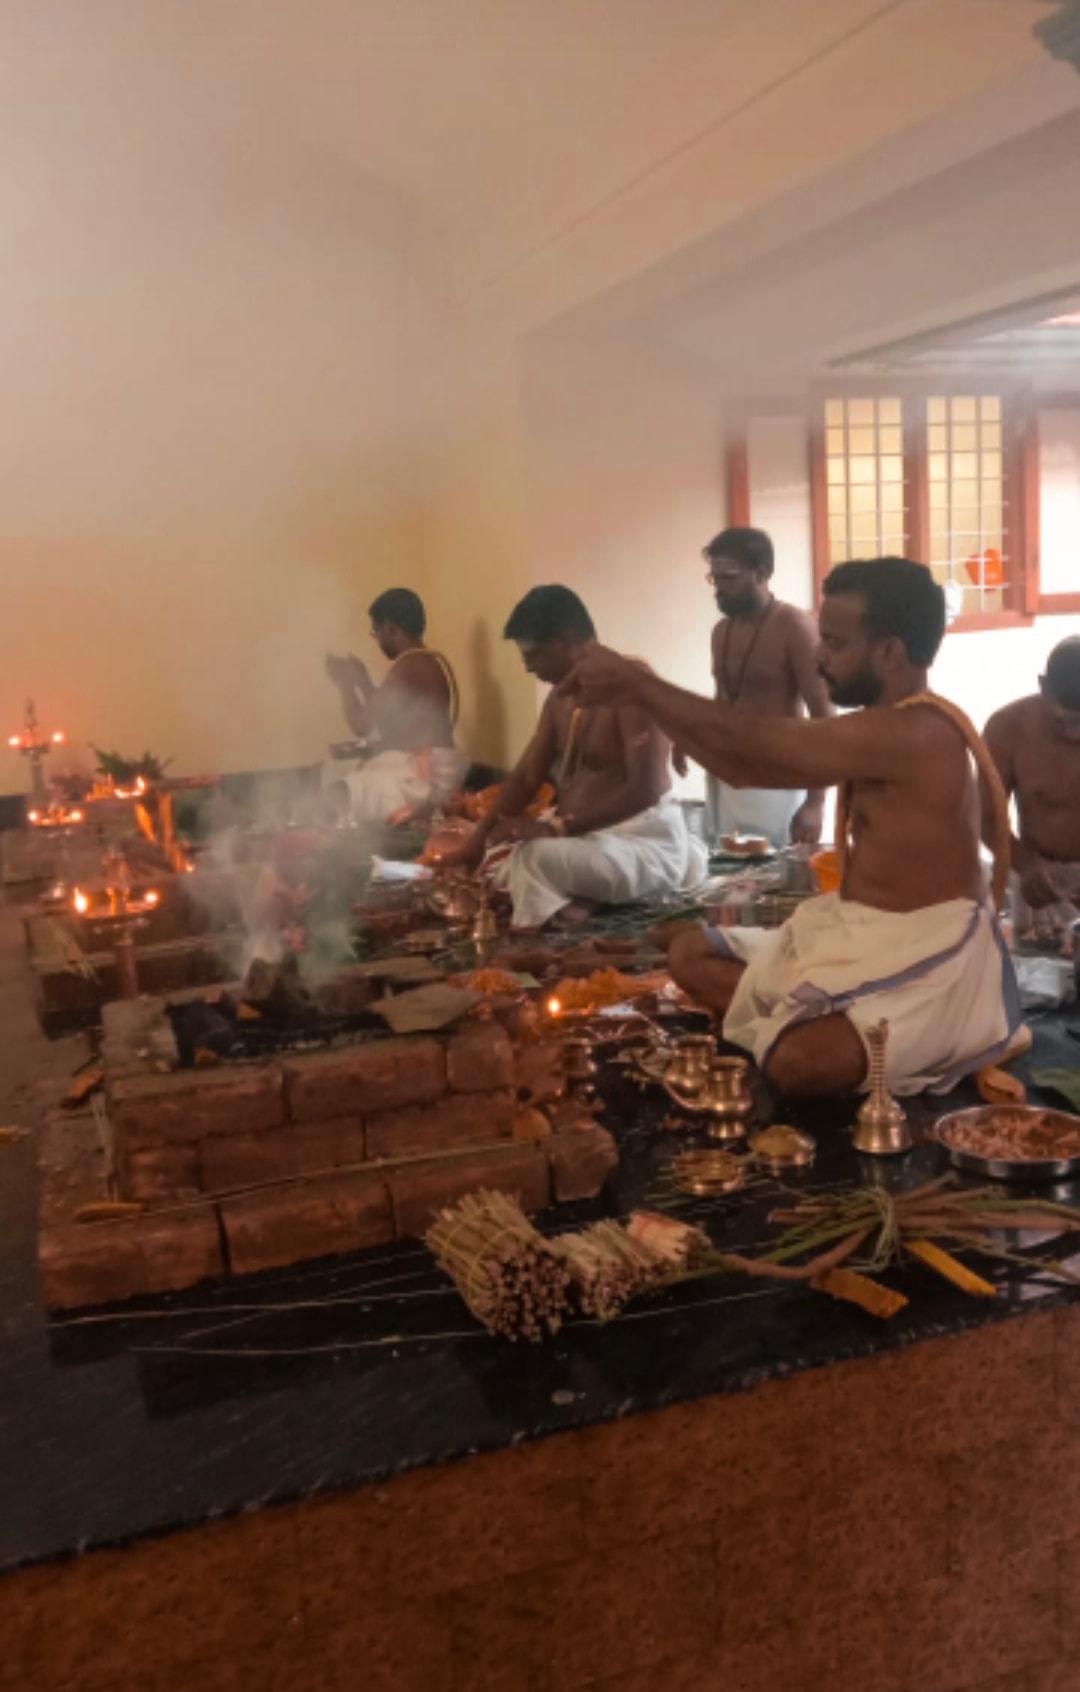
pixel 616 833
pixel 407 723
pixel 763 664
pixel 911 935
pixel 1035 743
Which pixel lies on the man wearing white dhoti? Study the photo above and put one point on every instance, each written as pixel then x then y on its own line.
pixel 764 664
pixel 409 761
pixel 911 936
pixel 614 833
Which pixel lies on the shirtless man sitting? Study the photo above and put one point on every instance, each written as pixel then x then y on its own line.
pixel 910 936
pixel 764 664
pixel 616 833
pixel 408 722
pixel 1035 743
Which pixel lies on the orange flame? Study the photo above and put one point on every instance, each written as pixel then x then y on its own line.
pixel 14 739
pixel 76 816
pixel 153 898
pixel 554 1007
pixel 82 901
pixel 59 738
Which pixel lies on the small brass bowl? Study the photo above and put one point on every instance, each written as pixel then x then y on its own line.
pixel 794 1151
pixel 707 1174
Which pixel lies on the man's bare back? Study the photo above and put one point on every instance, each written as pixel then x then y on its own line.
pixel 1041 772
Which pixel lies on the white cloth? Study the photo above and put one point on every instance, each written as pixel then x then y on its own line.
pixel 389 782
pixel 644 858
pixel 749 810
pixel 942 976
pixel 1048 925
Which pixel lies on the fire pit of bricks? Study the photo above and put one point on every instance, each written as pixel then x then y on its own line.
pixel 252 1165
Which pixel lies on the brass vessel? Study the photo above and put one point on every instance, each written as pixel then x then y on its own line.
pixel 727 1098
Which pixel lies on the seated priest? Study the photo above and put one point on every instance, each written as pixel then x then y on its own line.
pixel 615 832
pixel 408 761
pixel 1035 743
pixel 911 935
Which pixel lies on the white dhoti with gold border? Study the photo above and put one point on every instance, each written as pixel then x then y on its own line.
pixel 942 977
pixel 646 857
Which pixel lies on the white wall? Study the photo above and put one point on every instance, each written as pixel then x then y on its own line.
pixel 1059 497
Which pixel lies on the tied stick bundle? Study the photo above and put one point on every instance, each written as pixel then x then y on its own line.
pixel 505 1271
pixel 606 1267
pixel 827 1231
pixel 609 1264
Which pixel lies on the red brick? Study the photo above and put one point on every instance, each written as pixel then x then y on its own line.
pixel 305 1219
pixel 419 1190
pixel 227 1161
pixel 192 1104
pixel 480 1059
pixel 461 1119
pixel 92 1263
pixel 581 1160
pixel 104 1262
pixel 330 1145
pixel 178 1250
pixel 159 1172
pixel 385 1075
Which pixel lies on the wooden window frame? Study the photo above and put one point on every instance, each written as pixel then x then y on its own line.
pixel 1020 447
pixel 1046 604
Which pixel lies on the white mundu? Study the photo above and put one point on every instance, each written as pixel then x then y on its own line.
pixel 942 976
pixel 646 857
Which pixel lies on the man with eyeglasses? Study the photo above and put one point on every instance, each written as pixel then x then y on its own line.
pixel 1035 743
pixel 764 664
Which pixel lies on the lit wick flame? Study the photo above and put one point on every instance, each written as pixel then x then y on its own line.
pixel 33 815
pixel 75 816
pixel 554 1007
pixel 14 739
pixel 59 738
pixel 82 901
pixel 153 898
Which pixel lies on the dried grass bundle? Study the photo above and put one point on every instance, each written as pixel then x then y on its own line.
pixel 507 1273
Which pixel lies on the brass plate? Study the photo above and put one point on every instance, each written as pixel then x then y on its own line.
pixel 800 1149
pixel 707 1174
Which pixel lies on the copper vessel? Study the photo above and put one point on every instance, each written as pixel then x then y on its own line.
pixel 881 1128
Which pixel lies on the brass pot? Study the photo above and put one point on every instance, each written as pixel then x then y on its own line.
pixel 727 1098
pixel 690 1063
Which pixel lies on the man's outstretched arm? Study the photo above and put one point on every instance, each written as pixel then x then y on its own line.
pixel 750 751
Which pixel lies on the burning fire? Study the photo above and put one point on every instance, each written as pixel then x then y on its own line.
pixel 152 898
pixel 59 737
pixel 554 1007
pixel 81 901
pixel 14 740
pixel 34 816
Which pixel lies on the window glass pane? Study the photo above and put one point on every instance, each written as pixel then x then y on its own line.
pixel 891 469
pixel 935 411
pixel 834 440
pixel 860 411
pixel 864 526
pixel 891 440
pixel 990 435
pixel 838 500
pixel 862 440
pixel 835 471
pixel 991 466
pixel 964 466
pixel 990 407
pixel 963 410
pixel 965 437
pixel 834 413
pixel 864 498
pixel 893 540
pixel 938 466
pixel 889 411
pixel 939 498
pixel 861 470
pixel 937 437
